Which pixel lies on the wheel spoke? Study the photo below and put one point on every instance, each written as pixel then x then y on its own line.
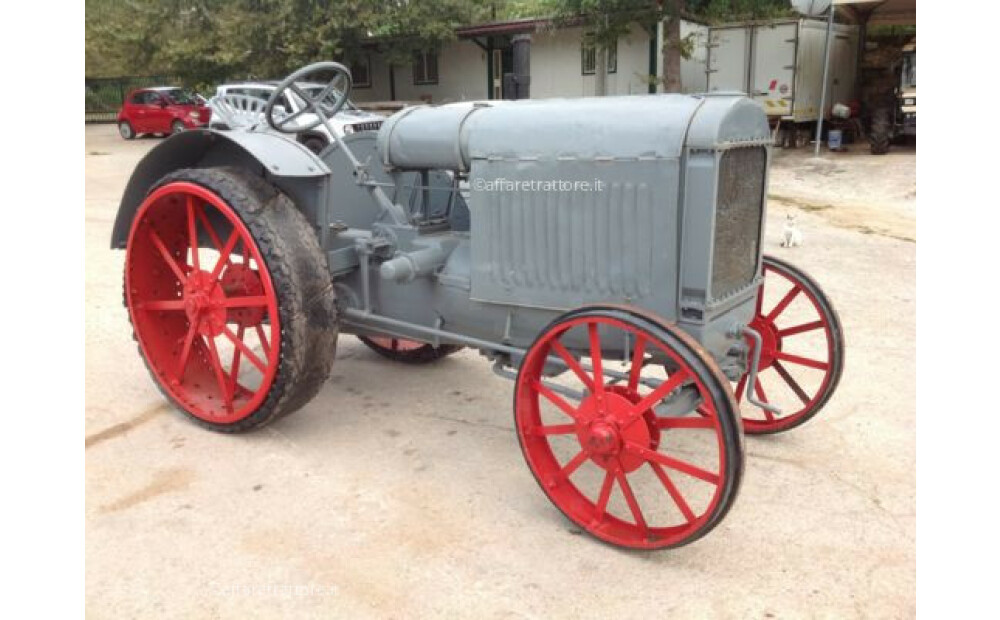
pixel 244 302
pixel 595 359
pixel 760 298
pixel 787 299
pixel 161 304
pixel 186 351
pixel 633 504
pixel 234 372
pixel 241 346
pixel 574 464
pixel 802 361
pixel 167 256
pixel 635 369
pixel 200 212
pixel 661 391
pixel 220 374
pixel 602 499
pixel 288 119
pixel 792 383
pixel 674 492
pixel 692 422
pixel 192 223
pixel 555 399
pixel 573 364
pixel 555 429
pixel 798 329
pixel 673 463
pixel 224 253
pixel 264 344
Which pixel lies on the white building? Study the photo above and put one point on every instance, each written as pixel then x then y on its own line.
pixel 561 65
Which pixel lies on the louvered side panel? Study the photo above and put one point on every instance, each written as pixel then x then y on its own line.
pixel 545 246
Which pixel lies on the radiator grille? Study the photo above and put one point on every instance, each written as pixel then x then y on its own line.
pixel 738 219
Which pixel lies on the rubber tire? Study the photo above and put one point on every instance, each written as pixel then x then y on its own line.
pixel 838 345
pixel 177 127
pixel 701 362
pixel 314 144
pixel 131 131
pixel 424 355
pixel 301 278
pixel 880 134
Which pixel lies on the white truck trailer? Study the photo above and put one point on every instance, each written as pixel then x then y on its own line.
pixel 779 63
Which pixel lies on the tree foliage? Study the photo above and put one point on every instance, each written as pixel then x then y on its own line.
pixel 210 40
pixel 205 41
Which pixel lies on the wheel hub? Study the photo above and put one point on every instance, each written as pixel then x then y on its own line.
pixel 607 425
pixel 603 438
pixel 204 303
pixel 770 340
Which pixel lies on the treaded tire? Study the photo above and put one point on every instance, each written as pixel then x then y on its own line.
pixel 422 355
pixel 302 284
pixel 880 135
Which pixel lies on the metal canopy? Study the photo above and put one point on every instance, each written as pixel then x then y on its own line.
pixel 880 12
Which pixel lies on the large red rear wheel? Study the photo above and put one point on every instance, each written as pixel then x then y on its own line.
pixel 613 442
pixel 229 297
pixel 802 353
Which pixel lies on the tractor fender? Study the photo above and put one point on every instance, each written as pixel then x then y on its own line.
pixel 283 161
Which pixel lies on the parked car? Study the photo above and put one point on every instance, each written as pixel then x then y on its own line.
pixel 243 104
pixel 161 110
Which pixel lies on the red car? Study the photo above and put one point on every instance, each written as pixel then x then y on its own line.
pixel 161 109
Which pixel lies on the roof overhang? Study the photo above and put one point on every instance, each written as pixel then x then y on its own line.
pixel 515 26
pixel 881 12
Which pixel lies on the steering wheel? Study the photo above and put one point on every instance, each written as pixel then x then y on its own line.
pixel 287 123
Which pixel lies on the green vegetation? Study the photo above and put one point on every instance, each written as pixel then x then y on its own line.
pixel 206 41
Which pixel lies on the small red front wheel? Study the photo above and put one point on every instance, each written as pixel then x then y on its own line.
pixel 802 353
pixel 408 351
pixel 635 456
pixel 229 297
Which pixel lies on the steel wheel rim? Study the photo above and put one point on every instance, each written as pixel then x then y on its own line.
pixel 183 311
pixel 555 478
pixel 777 355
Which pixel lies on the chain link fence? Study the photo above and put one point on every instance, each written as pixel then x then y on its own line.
pixel 104 96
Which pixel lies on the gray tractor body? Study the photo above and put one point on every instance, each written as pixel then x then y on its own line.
pixel 478 224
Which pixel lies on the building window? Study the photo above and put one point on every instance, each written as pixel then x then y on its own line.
pixel 425 68
pixel 588 56
pixel 361 72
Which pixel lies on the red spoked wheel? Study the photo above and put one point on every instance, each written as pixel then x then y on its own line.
pixel 611 441
pixel 802 353
pixel 214 300
pixel 408 351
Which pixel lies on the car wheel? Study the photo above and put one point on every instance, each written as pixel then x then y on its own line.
pixel 126 130
pixel 314 144
pixel 177 127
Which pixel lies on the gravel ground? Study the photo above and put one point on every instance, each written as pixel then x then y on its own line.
pixel 401 492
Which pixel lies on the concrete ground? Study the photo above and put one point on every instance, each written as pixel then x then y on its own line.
pixel 401 492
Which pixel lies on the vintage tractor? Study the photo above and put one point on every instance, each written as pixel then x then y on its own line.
pixel 604 253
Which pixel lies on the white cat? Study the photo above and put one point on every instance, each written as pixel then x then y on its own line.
pixel 791 236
